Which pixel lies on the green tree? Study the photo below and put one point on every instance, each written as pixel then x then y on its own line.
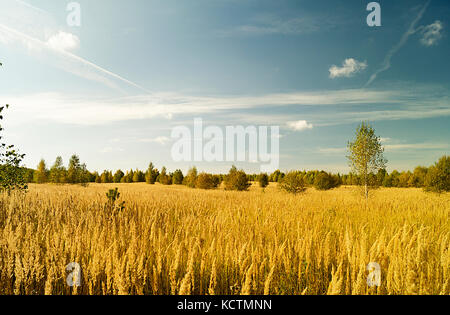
pixel 118 176
pixel 205 181
pixel 438 176
pixel 107 177
pixel 151 174
pixel 177 177
pixel 73 171
pixel 28 175
pixel 325 181
pixel 191 178
pixel 77 173
pixel 366 155
pixel 381 175
pixel 12 175
pixel 138 176
pixel 58 172
pixel 418 177
pixel 263 180
pixel 237 180
pixel 293 183
pixel 403 179
pixel 165 179
pixel 84 175
pixel 41 173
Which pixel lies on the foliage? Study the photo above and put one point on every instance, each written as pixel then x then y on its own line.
pixel 177 177
pixel 58 172
pixel 41 174
pixel 237 180
pixel 263 180
pixel 366 154
pixel 191 178
pixel 325 181
pixel 151 175
pixel 113 195
pixel 206 181
pixel 438 176
pixel 293 183
pixel 118 175
pixel 164 178
pixel 12 175
pixel 77 173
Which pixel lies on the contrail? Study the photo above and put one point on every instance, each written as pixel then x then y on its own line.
pixel 387 60
pixel 66 56
pixel 31 6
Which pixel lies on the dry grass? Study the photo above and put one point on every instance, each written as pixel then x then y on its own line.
pixel 174 240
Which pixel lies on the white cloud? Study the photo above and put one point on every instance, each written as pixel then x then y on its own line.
pixel 349 67
pixel 411 103
pixel 159 140
pixel 274 25
pixel 431 33
pixel 64 41
pixel 332 150
pixel 111 150
pixel 393 147
pixel 416 146
pixel 300 125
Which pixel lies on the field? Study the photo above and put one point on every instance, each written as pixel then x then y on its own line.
pixel 176 240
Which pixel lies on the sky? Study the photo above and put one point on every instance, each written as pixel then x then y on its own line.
pixel 113 88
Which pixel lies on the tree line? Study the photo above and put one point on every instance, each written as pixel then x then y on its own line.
pixel 434 178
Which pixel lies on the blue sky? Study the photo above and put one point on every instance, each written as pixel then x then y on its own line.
pixel 112 89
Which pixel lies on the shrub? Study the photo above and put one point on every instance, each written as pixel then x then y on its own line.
pixel 206 181
pixel 293 183
pixel 263 180
pixel 237 180
pixel 163 178
pixel 151 175
pixel 325 181
pixel 217 180
pixel 191 178
pixel 177 177
pixel 113 195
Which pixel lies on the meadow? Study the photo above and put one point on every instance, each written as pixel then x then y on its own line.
pixel 176 240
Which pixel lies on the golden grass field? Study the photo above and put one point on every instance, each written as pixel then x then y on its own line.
pixel 176 240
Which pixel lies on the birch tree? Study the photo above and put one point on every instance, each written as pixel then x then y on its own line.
pixel 366 155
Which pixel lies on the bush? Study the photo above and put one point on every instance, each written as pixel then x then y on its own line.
pixel 325 181
pixel 206 181
pixel 163 178
pixel 217 180
pixel 177 177
pixel 151 175
pixel 237 180
pixel 438 176
pixel 191 178
pixel 263 180
pixel 113 195
pixel 293 183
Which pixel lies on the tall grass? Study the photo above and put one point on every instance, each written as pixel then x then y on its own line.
pixel 173 240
